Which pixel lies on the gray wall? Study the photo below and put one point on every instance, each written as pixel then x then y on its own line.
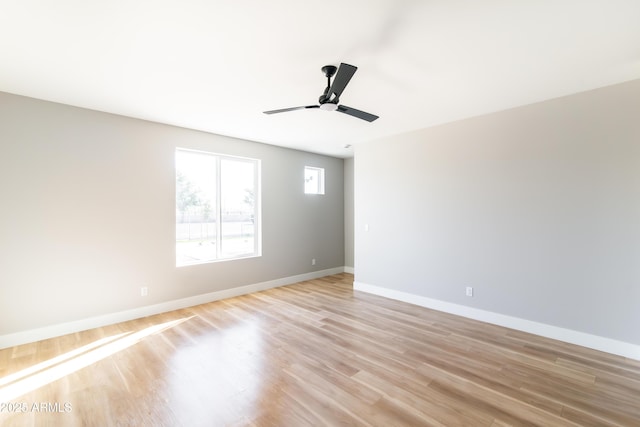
pixel 87 214
pixel 537 208
pixel 348 213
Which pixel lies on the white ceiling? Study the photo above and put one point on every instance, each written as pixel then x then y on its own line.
pixel 215 65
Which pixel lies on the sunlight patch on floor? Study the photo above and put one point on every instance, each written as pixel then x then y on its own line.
pixel 34 377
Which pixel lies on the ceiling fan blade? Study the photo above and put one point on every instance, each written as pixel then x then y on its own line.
pixel 284 110
pixel 342 78
pixel 357 113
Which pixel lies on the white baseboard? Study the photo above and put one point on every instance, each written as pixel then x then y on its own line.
pixel 59 329
pixel 349 270
pixel 608 345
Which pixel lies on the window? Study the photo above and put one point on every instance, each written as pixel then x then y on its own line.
pixel 217 207
pixel 313 180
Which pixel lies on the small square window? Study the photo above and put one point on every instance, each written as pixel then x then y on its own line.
pixel 313 180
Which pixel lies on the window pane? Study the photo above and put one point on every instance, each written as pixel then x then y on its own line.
pixel 195 207
pixel 237 191
pixel 217 204
pixel 313 180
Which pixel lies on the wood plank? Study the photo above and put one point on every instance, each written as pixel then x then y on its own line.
pixel 317 353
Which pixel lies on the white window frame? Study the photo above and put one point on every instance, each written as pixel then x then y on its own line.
pixel 257 248
pixel 319 188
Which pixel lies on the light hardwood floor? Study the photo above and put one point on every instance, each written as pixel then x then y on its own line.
pixel 314 353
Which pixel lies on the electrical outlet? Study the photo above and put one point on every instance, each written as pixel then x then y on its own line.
pixel 313 261
pixel 144 291
pixel 469 291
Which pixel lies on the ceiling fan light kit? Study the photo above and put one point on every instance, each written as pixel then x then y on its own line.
pixel 329 106
pixel 330 99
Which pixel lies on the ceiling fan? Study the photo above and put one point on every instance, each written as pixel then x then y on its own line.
pixel 331 97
